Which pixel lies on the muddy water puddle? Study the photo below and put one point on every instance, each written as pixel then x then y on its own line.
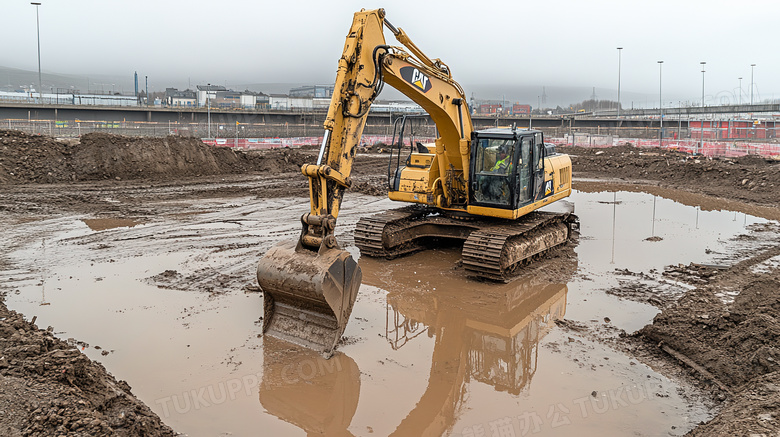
pixel 427 351
pixel 101 224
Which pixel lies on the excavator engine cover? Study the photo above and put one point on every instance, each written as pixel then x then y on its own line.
pixel 308 297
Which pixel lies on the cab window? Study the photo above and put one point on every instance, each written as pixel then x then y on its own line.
pixel 494 165
pixel 495 156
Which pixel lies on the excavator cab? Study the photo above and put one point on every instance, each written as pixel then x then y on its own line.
pixel 507 168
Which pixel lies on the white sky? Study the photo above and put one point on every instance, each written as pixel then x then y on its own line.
pixel 486 42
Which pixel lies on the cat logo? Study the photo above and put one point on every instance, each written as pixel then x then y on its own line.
pixel 548 188
pixel 416 78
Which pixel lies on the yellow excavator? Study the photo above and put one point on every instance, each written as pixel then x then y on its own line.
pixel 482 187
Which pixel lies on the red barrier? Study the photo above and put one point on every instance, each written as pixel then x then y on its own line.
pixel 728 149
pixel 708 148
pixel 295 142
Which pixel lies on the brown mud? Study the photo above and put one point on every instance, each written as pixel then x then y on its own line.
pixel 731 343
pixel 223 207
pixel 48 387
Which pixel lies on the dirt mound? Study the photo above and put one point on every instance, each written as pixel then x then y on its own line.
pixel 754 160
pixel 747 178
pixel 33 158
pixel 102 156
pixel 53 389
pixel 733 342
pixel 41 159
pixel 755 415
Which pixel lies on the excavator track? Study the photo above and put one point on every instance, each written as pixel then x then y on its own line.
pixel 496 252
pixel 371 232
pixel 492 249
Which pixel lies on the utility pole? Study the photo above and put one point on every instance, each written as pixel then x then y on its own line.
pixel 740 90
pixel 620 54
pixel 38 29
pixel 660 104
pixel 752 66
pixel 208 107
pixel 702 105
pixel 147 90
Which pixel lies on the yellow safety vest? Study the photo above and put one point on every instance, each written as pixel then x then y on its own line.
pixel 501 163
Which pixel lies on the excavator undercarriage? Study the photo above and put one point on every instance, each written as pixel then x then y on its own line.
pixel 492 249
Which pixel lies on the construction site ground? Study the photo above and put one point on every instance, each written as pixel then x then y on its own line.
pixel 131 263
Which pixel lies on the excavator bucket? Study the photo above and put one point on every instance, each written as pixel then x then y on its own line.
pixel 308 296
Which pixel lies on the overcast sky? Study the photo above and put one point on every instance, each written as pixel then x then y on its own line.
pixel 487 43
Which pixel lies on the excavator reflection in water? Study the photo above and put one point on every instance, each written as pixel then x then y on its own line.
pixel 300 387
pixel 488 333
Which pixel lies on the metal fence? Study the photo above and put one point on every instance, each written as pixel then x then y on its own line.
pixel 260 135
pixel 74 129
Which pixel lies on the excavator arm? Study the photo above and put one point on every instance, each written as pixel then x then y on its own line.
pixel 366 64
pixel 310 285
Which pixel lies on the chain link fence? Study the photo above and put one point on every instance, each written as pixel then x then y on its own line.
pixel 74 129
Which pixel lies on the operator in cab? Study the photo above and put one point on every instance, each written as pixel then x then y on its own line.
pixel 503 160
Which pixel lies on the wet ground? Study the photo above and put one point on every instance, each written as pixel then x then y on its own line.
pixel 165 299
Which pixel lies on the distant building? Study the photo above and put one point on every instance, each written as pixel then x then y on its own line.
pixel 313 91
pixel 261 100
pixel 504 108
pixel 279 102
pixel 489 108
pixel 210 91
pixel 248 99
pixel 518 109
pixel 311 97
pixel 300 103
pixel 227 99
pixel 186 98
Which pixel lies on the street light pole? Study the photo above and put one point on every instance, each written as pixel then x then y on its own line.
pixel 208 107
pixel 620 53
pixel 740 90
pixel 660 104
pixel 38 29
pixel 752 66
pixel 702 105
